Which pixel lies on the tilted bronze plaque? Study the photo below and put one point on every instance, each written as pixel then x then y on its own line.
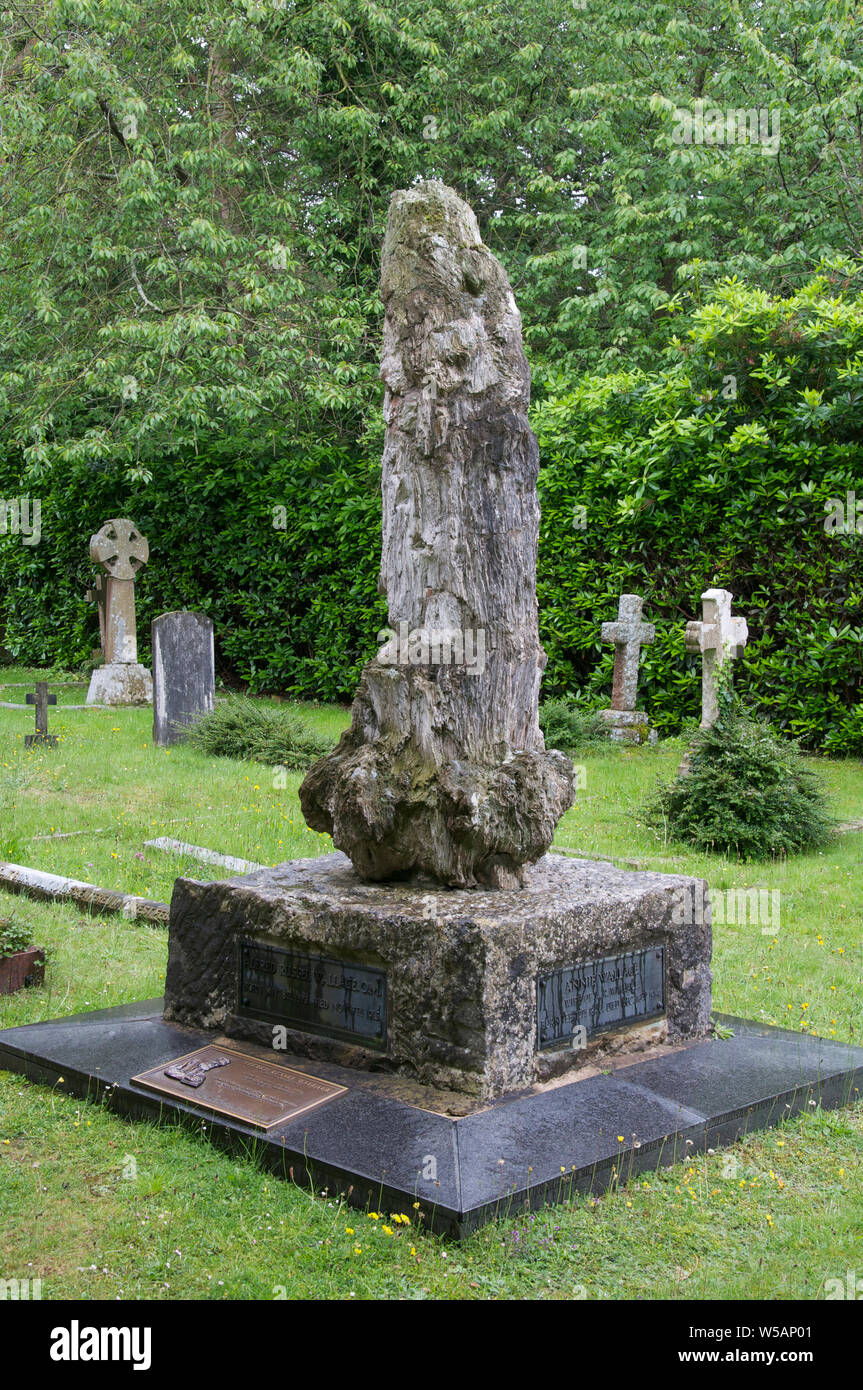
pixel 259 1093
pixel 318 994
pixel 600 994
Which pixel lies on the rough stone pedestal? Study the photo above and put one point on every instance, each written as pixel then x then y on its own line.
pixel 628 726
pixel 449 987
pixel 121 683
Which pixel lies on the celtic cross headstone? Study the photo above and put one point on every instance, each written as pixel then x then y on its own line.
pixel 122 551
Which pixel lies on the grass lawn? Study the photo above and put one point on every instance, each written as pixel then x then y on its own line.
pixel 771 1219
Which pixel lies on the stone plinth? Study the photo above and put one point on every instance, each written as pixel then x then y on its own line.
pixel 123 683
pixel 628 726
pixel 449 987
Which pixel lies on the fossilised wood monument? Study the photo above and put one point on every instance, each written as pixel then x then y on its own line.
pixel 440 948
pixel 444 768
pixel 412 1016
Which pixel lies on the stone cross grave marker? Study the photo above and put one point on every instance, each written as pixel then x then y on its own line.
pixel 629 634
pixel 41 700
pixel 96 594
pixel 121 549
pixel 718 637
pixel 183 673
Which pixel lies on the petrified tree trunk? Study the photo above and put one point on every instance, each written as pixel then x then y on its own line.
pixel 444 770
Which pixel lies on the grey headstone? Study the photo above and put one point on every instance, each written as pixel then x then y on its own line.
pixel 183 673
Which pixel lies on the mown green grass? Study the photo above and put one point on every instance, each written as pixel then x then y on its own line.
pixel 773 1218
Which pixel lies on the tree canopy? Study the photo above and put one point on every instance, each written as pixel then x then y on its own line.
pixel 194 196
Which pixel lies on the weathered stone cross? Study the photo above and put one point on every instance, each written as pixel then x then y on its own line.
pixel 718 637
pixel 628 634
pixel 122 550
pixel 41 700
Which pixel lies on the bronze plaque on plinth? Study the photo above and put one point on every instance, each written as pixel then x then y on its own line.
pixel 246 1088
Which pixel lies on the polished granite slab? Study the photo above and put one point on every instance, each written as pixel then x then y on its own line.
pixel 391 1146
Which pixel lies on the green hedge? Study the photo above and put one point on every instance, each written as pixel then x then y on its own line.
pixel 684 488
pixel 294 609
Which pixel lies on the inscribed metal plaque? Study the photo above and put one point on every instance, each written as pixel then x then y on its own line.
pixel 232 1083
pixel 600 994
pixel 317 994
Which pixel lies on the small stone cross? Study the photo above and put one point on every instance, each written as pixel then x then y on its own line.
pixel 718 637
pixel 628 634
pixel 41 700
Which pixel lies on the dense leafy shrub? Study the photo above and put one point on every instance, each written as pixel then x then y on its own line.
pixel 716 471
pixel 243 728
pixel 569 727
pixel 746 794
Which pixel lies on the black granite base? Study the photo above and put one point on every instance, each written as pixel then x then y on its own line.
pixel 525 1149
